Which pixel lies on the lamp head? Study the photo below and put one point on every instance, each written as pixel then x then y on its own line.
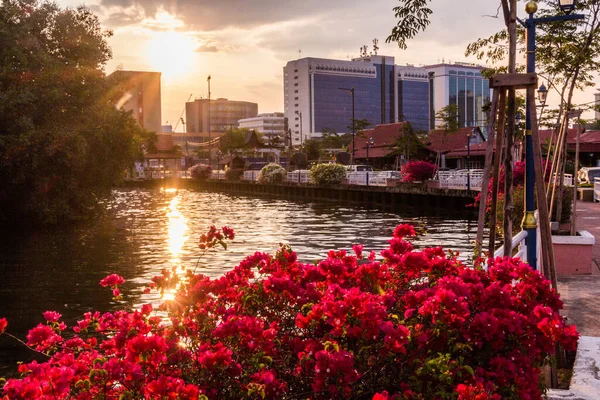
pixel 518 118
pixel 542 94
pixel 567 5
pixel 531 7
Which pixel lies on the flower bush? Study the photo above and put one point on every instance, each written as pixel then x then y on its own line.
pixel 272 173
pixel 200 172
pixel 418 171
pixel 415 325
pixel 328 174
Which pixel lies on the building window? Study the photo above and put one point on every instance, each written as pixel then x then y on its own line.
pixel 295 98
pixel 297 118
pixel 297 125
pixel 295 105
pixel 296 84
pixel 295 77
pixel 295 70
pixel 295 91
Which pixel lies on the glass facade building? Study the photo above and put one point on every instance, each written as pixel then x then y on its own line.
pixel 469 91
pixel 413 103
pixel 383 93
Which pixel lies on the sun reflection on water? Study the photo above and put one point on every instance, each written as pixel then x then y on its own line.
pixel 177 230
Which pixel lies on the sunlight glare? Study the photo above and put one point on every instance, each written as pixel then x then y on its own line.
pixel 177 229
pixel 171 53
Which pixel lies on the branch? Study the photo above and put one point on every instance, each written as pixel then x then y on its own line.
pixel 494 16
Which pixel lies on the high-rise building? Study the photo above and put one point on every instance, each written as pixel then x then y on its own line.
pixel 269 124
pixel 413 96
pixel 318 94
pixel 223 114
pixel 461 84
pixel 314 101
pixel 142 97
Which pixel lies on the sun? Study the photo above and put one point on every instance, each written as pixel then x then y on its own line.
pixel 171 53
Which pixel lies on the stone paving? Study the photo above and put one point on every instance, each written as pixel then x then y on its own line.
pixel 581 294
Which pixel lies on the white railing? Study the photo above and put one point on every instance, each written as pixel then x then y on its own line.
pixel 567 179
pixel 218 174
pixel 596 189
pixel 302 176
pixel 371 178
pixel 458 180
pixel 250 176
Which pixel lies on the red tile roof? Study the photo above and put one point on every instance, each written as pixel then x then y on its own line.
pixel 439 140
pixel 384 137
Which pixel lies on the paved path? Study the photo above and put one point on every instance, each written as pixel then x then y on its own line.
pixel 581 294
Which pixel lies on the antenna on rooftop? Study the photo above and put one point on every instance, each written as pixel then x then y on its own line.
pixel 375 47
pixel 299 53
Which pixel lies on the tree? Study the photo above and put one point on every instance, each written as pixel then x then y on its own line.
pixel 234 141
pixel 409 141
pixel 358 125
pixel 63 145
pixel 448 117
pixel 313 149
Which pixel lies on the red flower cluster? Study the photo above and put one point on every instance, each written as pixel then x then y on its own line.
pixel 215 236
pixel 418 171
pixel 418 324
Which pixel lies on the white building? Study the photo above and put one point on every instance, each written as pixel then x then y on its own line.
pixel 269 124
pixel 461 84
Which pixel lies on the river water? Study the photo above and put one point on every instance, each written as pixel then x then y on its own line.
pixel 145 231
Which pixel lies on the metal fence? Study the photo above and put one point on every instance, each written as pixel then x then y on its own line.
pixel 301 176
pixel 597 189
pixel 218 174
pixel 458 179
pixel 371 178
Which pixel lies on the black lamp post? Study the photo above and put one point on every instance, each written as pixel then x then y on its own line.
pixel 370 142
pixel 469 136
pixel 219 154
pixel 529 220
pixel 351 91
pixel 209 144
pixel 299 113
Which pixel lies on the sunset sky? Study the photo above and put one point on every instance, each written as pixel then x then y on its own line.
pixel 244 45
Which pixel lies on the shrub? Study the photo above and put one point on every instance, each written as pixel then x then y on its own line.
pixel 418 171
pixel 418 324
pixel 200 172
pixel 272 173
pixel 234 174
pixel 328 174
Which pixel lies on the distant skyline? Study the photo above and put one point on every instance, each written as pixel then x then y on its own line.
pixel 244 45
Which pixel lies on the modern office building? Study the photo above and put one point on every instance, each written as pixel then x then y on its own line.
pixel 269 124
pixel 314 101
pixel 461 84
pixel 318 93
pixel 413 91
pixel 223 114
pixel 142 97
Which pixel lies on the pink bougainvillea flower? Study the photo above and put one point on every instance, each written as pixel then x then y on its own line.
pixel 51 316
pixel 404 230
pixel 112 280
pixel 3 324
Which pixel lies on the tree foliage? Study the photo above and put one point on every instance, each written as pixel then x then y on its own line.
pixel 234 141
pixel 63 144
pixel 413 17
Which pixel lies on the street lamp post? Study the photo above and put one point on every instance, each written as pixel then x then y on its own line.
pixel 219 154
pixel 370 143
pixel 529 221
pixel 299 113
pixel 209 144
pixel 469 136
pixel 351 90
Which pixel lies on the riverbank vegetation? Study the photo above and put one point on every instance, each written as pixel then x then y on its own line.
pixel 63 144
pixel 415 325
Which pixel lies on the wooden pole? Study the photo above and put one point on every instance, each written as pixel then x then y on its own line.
pixel 486 175
pixel 508 173
pixel 575 173
pixel 496 172
pixel 543 217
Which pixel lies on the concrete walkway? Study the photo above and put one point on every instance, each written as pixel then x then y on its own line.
pixel 581 294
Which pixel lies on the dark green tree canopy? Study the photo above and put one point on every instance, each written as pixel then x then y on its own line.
pixel 63 144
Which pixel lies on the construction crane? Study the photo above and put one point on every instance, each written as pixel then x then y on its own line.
pixel 181 116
